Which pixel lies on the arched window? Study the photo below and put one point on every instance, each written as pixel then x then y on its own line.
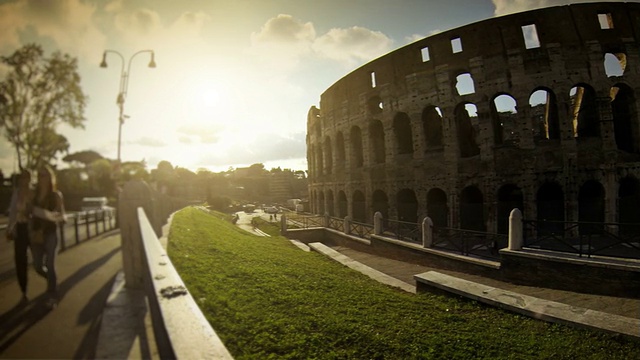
pixel 356 147
pixel 472 209
pixel 340 154
pixel 624 116
pixel 466 115
pixel 591 207
pixel 504 118
pixel 544 112
pixel 432 126
pixel 437 208
pixel 376 135
pixel 550 203
pixel 328 154
pixel 330 205
pixel 342 204
pixel 381 204
pixel 615 64
pixel 321 208
pixel 404 135
pixel 407 206
pixel 584 111
pixel 464 84
pixel 359 208
pixel 509 198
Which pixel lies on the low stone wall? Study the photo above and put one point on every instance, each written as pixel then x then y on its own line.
pixel 567 272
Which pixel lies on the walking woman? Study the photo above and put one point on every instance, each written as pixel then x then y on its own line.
pixel 18 227
pixel 48 212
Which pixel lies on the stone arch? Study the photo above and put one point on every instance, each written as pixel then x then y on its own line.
pixel 437 208
pixel 465 84
pixel 468 128
pixel 381 204
pixel 359 206
pixel 403 133
pixel 330 205
pixel 472 209
pixel 544 110
pixel 504 119
pixel 342 204
pixel 319 160
pixel 584 111
pixel 623 107
pixel 357 158
pixel 376 137
pixel 321 208
pixel 340 153
pixel 509 197
pixel 432 126
pixel 628 200
pixel 407 204
pixel 590 207
pixel 328 155
pixel 615 64
pixel 550 204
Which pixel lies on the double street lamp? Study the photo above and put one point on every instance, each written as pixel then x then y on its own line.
pixel 124 85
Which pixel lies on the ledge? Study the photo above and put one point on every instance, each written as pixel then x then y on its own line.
pixel 595 261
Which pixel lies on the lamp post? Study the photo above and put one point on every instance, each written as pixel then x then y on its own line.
pixel 124 85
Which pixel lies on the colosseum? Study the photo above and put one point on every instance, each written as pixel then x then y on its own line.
pixel 535 110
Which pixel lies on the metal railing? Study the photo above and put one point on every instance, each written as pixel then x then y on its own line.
pixel 305 222
pixel 360 229
pixel 469 242
pixel 584 238
pixel 336 223
pixel 84 225
pixel 403 230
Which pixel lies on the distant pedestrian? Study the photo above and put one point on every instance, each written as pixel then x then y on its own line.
pixel 48 212
pixel 275 217
pixel 270 217
pixel 18 227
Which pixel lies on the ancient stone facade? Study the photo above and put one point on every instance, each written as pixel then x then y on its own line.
pixel 535 110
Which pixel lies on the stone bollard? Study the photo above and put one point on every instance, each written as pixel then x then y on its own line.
pixel 347 225
pixel 283 224
pixel 427 232
pixel 326 220
pixel 135 194
pixel 515 230
pixel 377 223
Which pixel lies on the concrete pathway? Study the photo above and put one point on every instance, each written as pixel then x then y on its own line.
pixel 85 276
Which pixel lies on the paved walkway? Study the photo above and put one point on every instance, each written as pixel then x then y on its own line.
pixel 85 276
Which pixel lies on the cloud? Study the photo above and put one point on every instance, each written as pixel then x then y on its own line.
pixel 504 7
pixel 352 45
pixel 140 22
pixel 148 141
pixel 269 147
pixel 283 41
pixel 209 134
pixel 68 23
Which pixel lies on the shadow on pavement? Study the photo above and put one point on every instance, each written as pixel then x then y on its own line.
pixel 22 317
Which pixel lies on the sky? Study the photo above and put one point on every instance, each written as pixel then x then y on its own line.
pixel 234 79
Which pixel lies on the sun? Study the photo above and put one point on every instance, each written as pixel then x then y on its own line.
pixel 209 96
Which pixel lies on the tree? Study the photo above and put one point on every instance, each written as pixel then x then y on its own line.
pixel 36 96
pixel 85 157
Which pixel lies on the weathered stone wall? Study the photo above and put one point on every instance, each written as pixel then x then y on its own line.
pixel 377 142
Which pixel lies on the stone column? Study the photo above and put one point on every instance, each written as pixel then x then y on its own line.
pixel 135 194
pixel 515 230
pixel 377 223
pixel 427 232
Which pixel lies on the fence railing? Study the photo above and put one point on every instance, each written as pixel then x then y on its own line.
pixel 402 230
pixel 304 222
pixel 584 238
pixel 84 225
pixel 336 223
pixel 469 242
pixel 359 229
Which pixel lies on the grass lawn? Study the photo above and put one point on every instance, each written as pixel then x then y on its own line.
pixel 268 299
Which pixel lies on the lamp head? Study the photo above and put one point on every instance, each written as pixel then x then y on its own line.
pixel 103 64
pixel 152 63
